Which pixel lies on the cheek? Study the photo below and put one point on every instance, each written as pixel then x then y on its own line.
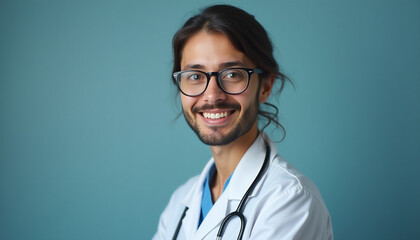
pixel 251 94
pixel 187 102
pixel 246 100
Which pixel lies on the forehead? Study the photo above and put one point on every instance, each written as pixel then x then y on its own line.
pixel 211 50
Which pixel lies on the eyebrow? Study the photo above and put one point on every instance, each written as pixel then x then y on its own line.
pixel 221 66
pixel 232 64
pixel 194 66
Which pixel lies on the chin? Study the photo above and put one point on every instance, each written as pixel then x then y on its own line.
pixel 216 138
pixel 215 141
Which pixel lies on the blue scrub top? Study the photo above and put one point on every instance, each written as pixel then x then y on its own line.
pixel 207 201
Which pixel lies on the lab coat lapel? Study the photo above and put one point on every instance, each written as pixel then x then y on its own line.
pixel 247 170
pixel 193 201
pixel 214 217
pixel 241 180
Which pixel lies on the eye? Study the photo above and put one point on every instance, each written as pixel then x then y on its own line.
pixel 194 76
pixel 234 75
pixel 231 75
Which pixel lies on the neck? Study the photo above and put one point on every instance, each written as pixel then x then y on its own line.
pixel 227 157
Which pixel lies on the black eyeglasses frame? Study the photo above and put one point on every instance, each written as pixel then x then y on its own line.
pixel 250 71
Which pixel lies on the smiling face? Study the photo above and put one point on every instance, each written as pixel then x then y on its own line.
pixel 217 117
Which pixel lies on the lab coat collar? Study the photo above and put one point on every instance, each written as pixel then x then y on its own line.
pixel 248 168
pixel 241 180
pixel 192 200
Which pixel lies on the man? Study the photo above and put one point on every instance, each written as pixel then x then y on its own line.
pixel 225 70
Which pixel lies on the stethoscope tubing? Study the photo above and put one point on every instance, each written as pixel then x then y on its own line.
pixel 239 209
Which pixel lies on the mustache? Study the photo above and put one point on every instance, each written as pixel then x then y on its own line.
pixel 221 105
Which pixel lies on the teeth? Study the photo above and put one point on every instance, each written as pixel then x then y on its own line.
pixel 215 115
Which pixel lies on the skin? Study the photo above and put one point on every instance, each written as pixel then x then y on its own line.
pixel 229 137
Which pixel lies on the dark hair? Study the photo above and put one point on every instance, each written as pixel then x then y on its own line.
pixel 245 33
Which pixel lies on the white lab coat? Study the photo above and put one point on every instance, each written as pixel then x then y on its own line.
pixel 284 204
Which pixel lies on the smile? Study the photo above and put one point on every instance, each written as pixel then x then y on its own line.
pixel 215 115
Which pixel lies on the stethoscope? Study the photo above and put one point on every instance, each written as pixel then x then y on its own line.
pixel 238 212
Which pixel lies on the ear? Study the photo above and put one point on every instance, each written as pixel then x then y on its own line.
pixel 266 87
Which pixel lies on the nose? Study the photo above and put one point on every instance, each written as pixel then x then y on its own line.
pixel 213 92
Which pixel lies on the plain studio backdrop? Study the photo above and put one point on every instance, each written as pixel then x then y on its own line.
pixel 89 148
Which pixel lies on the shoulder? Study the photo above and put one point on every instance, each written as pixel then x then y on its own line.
pixel 290 203
pixel 283 178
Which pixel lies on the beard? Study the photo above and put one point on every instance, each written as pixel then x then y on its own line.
pixel 215 137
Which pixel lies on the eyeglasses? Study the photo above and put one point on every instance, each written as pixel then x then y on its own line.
pixel 232 81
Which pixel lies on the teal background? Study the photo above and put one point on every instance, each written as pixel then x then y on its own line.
pixel 89 148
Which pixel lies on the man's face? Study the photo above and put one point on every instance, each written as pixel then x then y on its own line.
pixel 216 117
